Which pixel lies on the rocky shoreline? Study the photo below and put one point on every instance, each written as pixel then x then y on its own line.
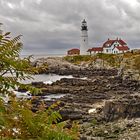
pixel 57 65
pixel 103 99
pixel 98 98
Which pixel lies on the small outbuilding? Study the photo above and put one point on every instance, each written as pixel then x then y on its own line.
pixel 73 52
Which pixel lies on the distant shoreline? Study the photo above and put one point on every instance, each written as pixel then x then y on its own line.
pixel 36 56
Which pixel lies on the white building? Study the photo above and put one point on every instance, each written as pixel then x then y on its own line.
pixel 84 38
pixel 111 47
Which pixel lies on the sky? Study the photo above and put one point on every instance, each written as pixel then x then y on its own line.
pixel 53 26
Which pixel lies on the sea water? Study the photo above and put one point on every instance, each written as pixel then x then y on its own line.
pixel 46 79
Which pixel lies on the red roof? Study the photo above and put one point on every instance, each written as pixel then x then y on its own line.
pixel 122 48
pixel 108 43
pixel 122 42
pixel 96 49
pixel 74 49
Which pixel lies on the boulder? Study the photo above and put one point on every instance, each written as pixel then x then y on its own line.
pixel 127 107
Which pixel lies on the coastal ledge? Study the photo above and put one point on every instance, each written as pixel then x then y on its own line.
pixel 125 65
pixel 100 104
pixel 60 66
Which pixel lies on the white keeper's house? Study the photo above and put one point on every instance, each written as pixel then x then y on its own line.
pixel 111 47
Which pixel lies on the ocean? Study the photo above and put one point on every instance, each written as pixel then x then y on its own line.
pixel 46 79
pixel 36 56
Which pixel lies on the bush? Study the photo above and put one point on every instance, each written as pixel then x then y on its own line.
pixel 17 121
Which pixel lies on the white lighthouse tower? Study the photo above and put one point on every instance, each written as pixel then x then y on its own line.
pixel 84 38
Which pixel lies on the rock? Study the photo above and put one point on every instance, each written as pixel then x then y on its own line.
pixel 38 84
pixel 122 108
pixel 130 124
pixel 55 64
pixel 60 66
pixel 91 138
pixel 70 114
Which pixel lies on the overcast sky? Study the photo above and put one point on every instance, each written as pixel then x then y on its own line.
pixel 53 26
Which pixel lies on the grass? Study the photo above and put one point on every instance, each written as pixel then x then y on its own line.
pixel 78 58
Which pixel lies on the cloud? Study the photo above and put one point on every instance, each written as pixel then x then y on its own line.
pixel 53 26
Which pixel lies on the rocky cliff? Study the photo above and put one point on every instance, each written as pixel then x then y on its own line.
pixel 127 65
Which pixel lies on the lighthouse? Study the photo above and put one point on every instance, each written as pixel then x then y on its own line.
pixel 84 38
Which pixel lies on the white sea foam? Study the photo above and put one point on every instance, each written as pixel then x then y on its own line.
pixel 93 110
pixel 84 78
pixel 53 97
pixel 22 95
pixel 48 82
pixel 53 78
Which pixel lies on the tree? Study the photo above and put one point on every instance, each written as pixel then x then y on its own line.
pixel 13 69
pixel 17 120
